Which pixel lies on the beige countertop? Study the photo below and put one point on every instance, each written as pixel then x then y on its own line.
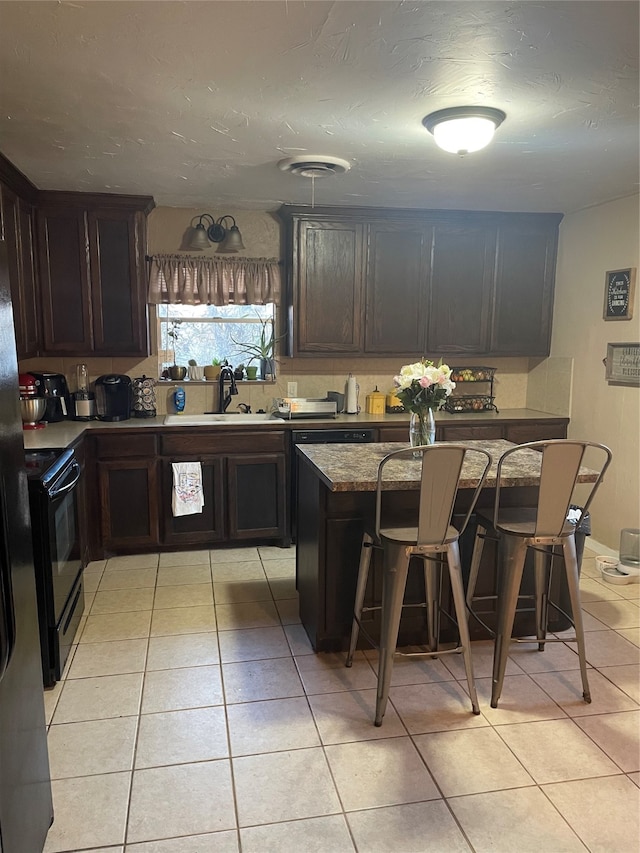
pixel 65 433
pixel 354 467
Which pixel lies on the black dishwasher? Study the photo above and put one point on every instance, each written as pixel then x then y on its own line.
pixel 320 436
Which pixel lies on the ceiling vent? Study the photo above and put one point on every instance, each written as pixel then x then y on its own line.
pixel 314 166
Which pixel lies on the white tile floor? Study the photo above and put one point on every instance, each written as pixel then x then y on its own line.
pixel 193 717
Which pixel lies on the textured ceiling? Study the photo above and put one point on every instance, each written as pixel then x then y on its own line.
pixel 196 102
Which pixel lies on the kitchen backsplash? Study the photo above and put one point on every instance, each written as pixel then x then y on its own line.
pixel 517 382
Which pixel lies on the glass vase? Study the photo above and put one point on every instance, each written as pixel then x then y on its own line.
pixel 422 428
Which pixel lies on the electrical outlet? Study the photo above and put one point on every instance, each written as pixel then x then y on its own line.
pixel 292 389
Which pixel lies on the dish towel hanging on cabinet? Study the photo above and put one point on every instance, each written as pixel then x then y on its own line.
pixel 187 495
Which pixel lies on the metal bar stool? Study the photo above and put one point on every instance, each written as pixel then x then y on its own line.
pixel 539 527
pixel 438 467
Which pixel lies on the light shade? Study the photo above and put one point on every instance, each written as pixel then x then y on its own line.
pixel 207 230
pixel 232 241
pixel 462 130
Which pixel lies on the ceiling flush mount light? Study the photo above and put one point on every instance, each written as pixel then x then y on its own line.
pixel 314 166
pixel 462 130
pixel 209 230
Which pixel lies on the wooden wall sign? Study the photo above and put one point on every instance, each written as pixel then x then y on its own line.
pixel 618 294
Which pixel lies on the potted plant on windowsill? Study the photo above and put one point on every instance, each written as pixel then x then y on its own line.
pixel 212 371
pixel 196 373
pixel 176 372
pixel 263 349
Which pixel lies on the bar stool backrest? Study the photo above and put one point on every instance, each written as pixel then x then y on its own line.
pixel 439 475
pixel 560 464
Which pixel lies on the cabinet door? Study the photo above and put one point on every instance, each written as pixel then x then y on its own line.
pixel 397 281
pixel 525 275
pixel 256 495
pixel 28 284
pixel 128 503
pixel 461 287
pixel 328 301
pixel 203 527
pixel 64 281
pixel 18 234
pixel 117 283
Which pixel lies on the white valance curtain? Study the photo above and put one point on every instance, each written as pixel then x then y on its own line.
pixel 188 280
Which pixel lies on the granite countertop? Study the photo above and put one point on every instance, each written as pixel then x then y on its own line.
pixel 65 433
pixel 354 467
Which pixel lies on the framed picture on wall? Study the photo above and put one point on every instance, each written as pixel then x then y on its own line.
pixel 619 290
pixel 623 364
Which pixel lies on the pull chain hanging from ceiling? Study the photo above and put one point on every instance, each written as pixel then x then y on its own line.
pixel 314 166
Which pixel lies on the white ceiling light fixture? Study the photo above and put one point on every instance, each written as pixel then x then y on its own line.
pixel 314 166
pixel 462 130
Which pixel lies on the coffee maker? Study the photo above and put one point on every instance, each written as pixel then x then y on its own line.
pixel 113 397
pixel 53 387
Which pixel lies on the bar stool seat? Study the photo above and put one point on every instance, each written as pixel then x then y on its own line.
pixel 435 541
pixel 543 528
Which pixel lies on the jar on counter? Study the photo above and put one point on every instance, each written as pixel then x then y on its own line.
pixel 375 402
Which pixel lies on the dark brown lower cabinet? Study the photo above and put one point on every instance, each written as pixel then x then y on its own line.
pixel 245 486
pixel 202 527
pixel 257 500
pixel 128 492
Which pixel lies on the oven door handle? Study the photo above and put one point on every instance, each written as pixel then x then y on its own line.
pixel 75 467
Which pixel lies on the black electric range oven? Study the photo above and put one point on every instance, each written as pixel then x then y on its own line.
pixel 53 477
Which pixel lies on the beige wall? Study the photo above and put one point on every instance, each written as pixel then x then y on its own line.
pixel 593 241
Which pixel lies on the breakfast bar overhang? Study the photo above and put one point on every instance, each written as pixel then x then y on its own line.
pixel 336 500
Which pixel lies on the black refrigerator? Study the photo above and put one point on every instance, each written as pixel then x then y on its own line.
pixel 26 809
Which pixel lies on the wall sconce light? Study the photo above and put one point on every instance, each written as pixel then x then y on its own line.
pixel 209 230
pixel 462 130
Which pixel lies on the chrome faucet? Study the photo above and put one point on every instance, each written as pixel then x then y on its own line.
pixel 225 398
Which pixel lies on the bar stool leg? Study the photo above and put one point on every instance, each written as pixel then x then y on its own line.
pixel 511 568
pixel 573 583
pixel 541 591
pixel 457 589
pixel 361 587
pixel 396 567
pixel 432 601
pixel 476 558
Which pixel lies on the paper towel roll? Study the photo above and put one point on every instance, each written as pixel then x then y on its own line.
pixel 351 396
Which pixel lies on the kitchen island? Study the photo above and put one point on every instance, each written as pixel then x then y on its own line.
pixel 336 500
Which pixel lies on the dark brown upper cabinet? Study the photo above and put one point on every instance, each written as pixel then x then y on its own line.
pixel 17 221
pixel 525 278
pixel 462 266
pixel 370 281
pixel 92 273
pixel 328 259
pixel 397 282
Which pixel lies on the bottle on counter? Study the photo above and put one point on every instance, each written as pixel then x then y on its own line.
pixel 179 399
pixel 83 400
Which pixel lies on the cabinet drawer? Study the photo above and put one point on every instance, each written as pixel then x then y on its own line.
pixel 470 433
pixel 535 431
pixel 125 444
pixel 216 440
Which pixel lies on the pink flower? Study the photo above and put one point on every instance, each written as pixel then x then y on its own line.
pixel 425 382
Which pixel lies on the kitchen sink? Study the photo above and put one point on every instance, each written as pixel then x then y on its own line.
pixel 210 419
